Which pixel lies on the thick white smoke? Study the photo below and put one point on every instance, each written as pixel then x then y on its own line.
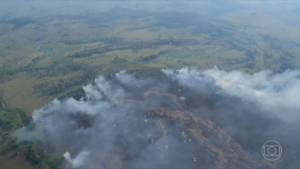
pixel 78 160
pixel 92 126
pixel 276 93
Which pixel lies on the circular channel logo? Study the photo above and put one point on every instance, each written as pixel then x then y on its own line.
pixel 271 150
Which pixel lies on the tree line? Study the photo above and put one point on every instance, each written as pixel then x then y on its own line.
pixel 121 44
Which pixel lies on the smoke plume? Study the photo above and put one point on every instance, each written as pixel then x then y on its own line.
pixel 176 119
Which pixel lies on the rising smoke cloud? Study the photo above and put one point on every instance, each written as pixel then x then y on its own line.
pixel 103 123
pixel 274 93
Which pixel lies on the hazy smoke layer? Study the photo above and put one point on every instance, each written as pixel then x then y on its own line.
pixel 276 94
pixel 108 128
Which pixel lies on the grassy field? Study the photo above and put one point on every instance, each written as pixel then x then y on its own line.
pixel 88 40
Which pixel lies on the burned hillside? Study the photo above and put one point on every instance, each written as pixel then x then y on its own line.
pixel 174 119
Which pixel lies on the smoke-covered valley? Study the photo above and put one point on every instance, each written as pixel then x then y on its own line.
pixel 175 119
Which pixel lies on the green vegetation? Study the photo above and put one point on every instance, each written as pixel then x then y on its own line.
pixel 85 42
pixel 33 151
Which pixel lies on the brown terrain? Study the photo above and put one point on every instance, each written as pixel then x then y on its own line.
pixel 205 144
